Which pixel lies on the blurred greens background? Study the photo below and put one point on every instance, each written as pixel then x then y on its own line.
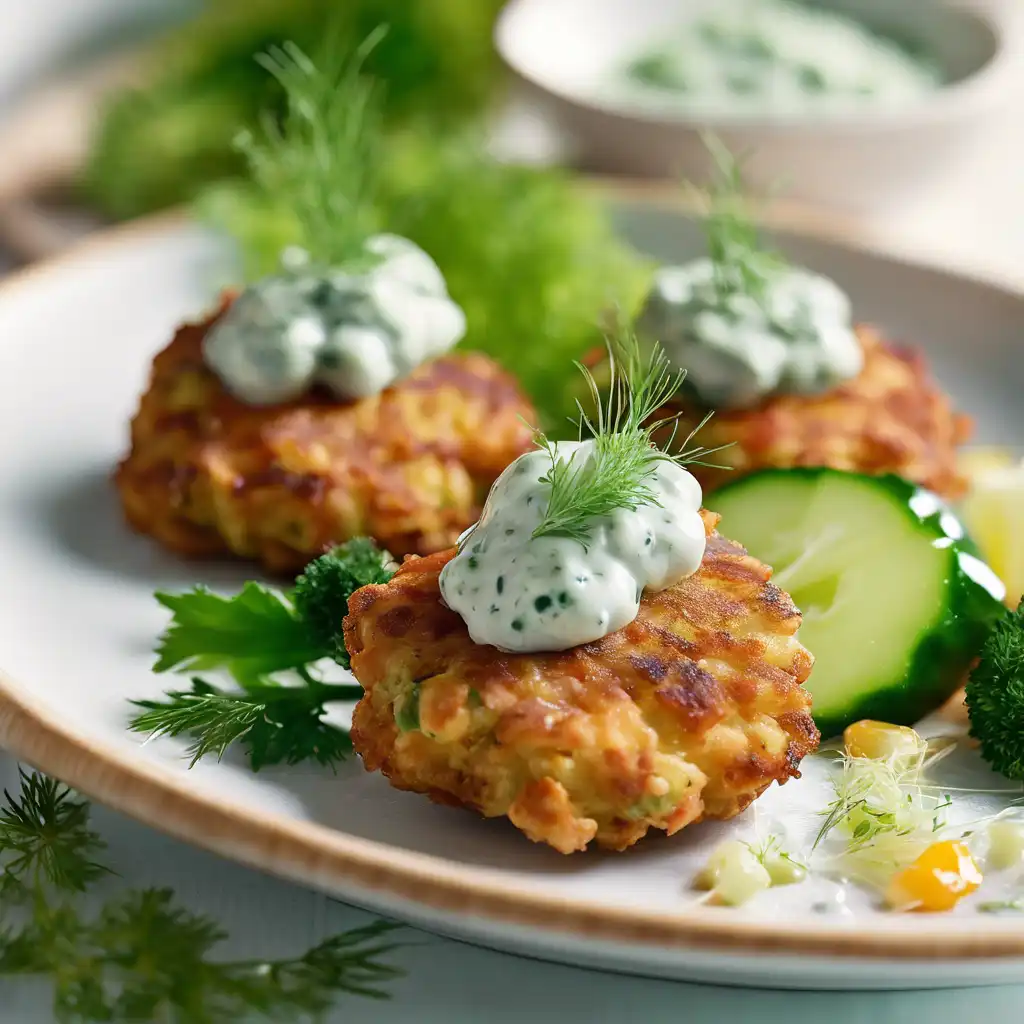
pixel 161 143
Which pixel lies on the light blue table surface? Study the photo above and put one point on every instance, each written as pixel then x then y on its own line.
pixel 450 983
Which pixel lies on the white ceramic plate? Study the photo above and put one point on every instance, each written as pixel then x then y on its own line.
pixel 77 623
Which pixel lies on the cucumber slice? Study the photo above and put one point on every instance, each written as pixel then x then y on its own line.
pixel 896 601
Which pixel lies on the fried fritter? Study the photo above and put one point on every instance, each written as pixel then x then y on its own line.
pixel 689 712
pixel 208 475
pixel 890 419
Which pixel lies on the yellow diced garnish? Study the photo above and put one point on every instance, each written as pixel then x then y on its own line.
pixel 1005 844
pixel 881 741
pixel 993 513
pixel 734 874
pixel 937 880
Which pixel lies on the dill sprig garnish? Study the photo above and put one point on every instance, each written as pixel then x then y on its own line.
pixel 322 163
pixel 45 837
pixel 616 472
pixel 739 257
pixel 142 956
pixel 275 724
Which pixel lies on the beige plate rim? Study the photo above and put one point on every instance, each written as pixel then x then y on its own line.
pixel 314 854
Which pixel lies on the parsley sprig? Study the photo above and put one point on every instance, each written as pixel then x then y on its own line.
pixel 995 696
pixel 268 644
pixel 616 473
pixel 142 956
pixel 252 634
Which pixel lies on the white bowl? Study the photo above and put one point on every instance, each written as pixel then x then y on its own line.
pixel 564 52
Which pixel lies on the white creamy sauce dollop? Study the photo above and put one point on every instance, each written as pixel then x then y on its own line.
pixel 353 332
pixel 521 593
pixel 796 337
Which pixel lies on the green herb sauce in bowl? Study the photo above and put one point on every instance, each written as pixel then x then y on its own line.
pixel 776 56
pixel 856 105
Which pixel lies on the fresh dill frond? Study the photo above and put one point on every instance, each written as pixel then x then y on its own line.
pixel 143 956
pixel 212 718
pixel 156 963
pixel 740 260
pixel 615 473
pixel 275 724
pixel 321 164
pixel 350 962
pixel 45 836
pixel 158 958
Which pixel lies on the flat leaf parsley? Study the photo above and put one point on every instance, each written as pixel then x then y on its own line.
pixel 249 635
pixel 253 637
pixel 142 957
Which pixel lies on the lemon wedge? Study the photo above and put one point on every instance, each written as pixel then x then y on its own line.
pixel 993 513
pixel 976 462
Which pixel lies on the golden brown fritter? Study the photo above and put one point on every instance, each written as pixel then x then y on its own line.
pixel 890 419
pixel 689 712
pixel 208 475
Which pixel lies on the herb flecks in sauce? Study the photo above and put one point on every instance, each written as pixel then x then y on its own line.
pixel 591 530
pixel 353 332
pixel 743 323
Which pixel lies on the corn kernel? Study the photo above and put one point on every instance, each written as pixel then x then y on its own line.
pixel 1005 844
pixel 937 880
pixel 734 874
pixel 881 741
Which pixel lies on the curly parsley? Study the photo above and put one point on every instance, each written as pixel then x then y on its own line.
pixel 995 696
